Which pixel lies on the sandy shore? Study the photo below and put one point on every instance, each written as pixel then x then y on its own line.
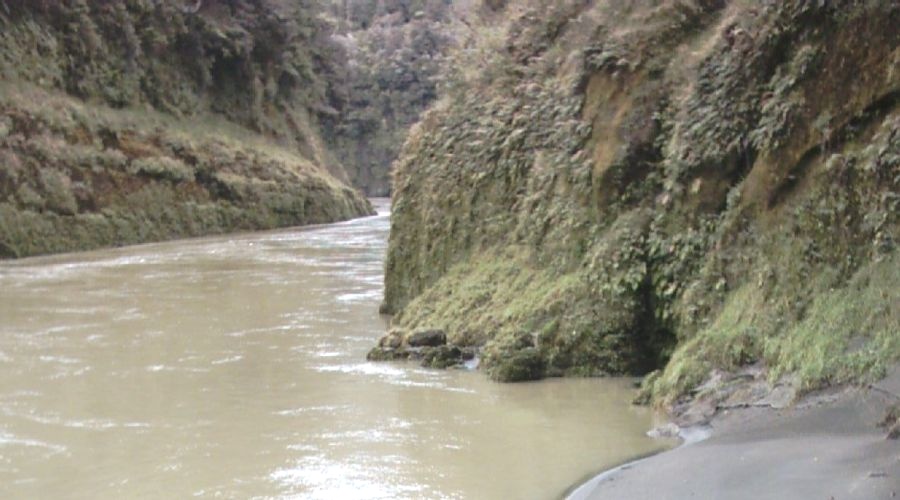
pixel 828 446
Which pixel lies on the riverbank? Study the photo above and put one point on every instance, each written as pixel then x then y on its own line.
pixel 136 122
pixel 82 176
pixel 827 446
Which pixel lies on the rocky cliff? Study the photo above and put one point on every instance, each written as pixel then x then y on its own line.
pixel 674 187
pixel 123 122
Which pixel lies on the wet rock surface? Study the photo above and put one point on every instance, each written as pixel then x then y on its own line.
pixel 519 366
pixel 427 338
pixel 429 347
pixel 442 357
pixel 722 391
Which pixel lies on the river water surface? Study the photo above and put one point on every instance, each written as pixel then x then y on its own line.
pixel 234 367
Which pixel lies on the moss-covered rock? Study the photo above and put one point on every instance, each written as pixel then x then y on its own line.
pixel 443 357
pixel 428 346
pixel 427 338
pixel 388 354
pixel 518 366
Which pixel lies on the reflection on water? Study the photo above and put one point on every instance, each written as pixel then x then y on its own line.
pixel 234 367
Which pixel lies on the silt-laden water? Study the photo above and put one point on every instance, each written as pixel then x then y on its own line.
pixel 234 367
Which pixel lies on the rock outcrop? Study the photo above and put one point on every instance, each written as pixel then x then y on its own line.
pixel 428 347
pixel 681 186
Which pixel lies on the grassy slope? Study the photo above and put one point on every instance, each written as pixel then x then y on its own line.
pixel 683 185
pixel 135 121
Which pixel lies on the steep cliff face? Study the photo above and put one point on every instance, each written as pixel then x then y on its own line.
pixel 687 186
pixel 123 122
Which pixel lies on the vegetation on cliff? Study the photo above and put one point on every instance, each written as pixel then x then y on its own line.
pixel 123 122
pixel 681 186
pixel 394 55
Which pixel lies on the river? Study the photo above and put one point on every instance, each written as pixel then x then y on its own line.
pixel 234 367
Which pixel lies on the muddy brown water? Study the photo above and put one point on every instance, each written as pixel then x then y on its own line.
pixel 234 367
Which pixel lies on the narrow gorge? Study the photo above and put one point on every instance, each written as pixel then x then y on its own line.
pixel 450 249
